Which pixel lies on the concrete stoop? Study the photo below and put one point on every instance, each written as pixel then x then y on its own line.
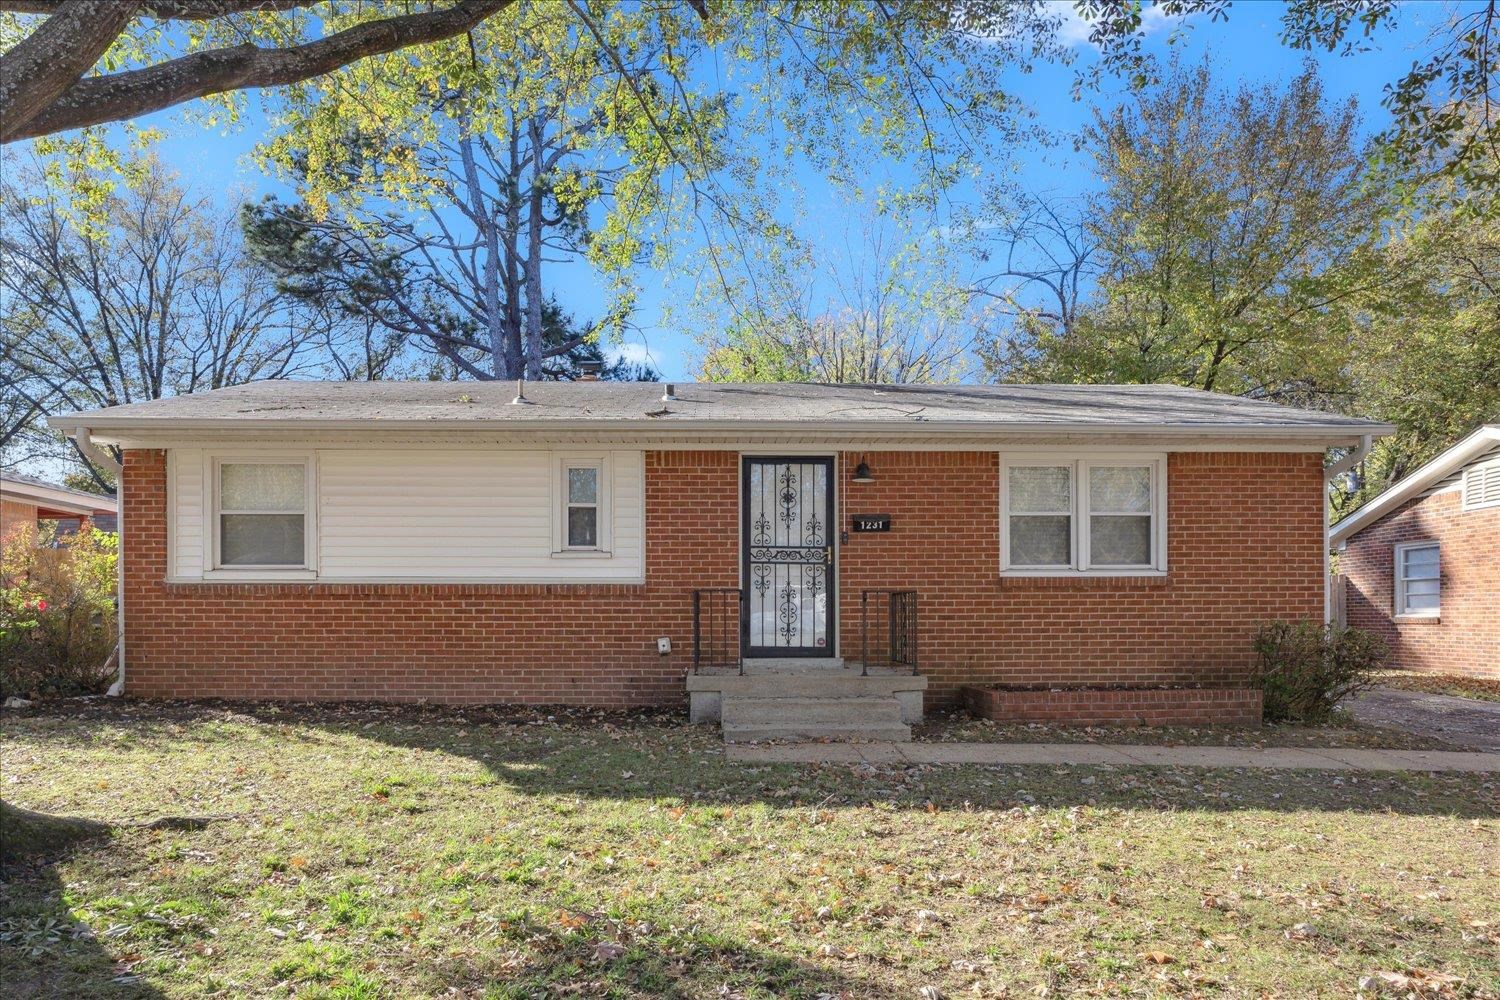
pixel 783 702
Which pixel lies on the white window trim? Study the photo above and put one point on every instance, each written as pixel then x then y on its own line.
pixel 1490 468
pixel 212 569
pixel 1080 463
pixel 561 465
pixel 1398 581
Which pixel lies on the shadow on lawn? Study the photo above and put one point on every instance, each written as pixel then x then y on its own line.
pixel 658 756
pixel 587 964
pixel 45 952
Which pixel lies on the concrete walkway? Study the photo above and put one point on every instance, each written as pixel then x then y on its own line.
pixel 1116 755
pixel 1463 722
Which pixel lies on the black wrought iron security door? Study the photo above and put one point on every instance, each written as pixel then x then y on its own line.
pixel 788 529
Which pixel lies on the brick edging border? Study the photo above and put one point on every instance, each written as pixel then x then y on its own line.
pixel 1118 706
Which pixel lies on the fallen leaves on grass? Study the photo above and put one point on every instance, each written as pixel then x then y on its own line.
pixel 1421 982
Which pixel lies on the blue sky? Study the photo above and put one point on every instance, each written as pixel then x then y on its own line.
pixel 1247 48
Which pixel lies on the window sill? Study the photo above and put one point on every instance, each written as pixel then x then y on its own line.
pixel 1084 581
pixel 1079 574
pixel 259 575
pixel 1417 619
pixel 583 554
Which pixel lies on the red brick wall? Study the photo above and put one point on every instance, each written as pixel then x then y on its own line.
pixel 14 514
pixel 1465 638
pixel 1245 544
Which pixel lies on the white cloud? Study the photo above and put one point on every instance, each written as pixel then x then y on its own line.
pixel 1074 30
pixel 634 353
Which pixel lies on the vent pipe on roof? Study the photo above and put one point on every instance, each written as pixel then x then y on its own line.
pixel 520 392
pixel 668 396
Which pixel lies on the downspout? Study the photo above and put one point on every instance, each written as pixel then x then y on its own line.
pixel 1357 455
pixel 105 460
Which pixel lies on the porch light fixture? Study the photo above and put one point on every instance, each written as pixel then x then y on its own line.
pixel 862 473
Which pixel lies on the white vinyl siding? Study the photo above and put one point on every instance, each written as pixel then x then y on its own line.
pixel 187 511
pixel 1418 579
pixel 394 514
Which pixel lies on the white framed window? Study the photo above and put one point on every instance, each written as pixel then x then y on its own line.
pixel 1482 486
pixel 1419 580
pixel 1101 515
pixel 1039 516
pixel 262 513
pixel 583 510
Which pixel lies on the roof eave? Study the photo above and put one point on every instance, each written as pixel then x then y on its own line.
pixel 1438 468
pixel 55 498
pixel 102 428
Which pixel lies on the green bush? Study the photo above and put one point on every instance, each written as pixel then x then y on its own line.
pixel 1307 668
pixel 57 613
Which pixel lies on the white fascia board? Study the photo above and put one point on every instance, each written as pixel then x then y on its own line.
pixel 1439 468
pixel 144 428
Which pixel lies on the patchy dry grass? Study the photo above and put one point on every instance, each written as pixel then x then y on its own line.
pixel 392 853
pixel 1342 733
pixel 1456 685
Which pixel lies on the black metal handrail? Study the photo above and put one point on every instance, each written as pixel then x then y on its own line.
pixel 717 614
pixel 899 609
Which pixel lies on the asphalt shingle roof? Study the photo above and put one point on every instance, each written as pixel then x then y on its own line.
pixel 422 403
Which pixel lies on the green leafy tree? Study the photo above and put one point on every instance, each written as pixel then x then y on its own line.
pixel 1424 342
pixel 73 64
pixel 438 216
pixel 1222 237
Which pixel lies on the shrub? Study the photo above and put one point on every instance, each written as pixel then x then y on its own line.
pixel 1307 668
pixel 57 612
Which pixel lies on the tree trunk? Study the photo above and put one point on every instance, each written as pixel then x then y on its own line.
pixel 490 237
pixel 534 254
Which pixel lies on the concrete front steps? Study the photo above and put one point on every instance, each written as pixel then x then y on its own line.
pixel 786 701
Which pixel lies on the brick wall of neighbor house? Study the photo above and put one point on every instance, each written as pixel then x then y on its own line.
pixel 13 514
pixel 1245 534
pixel 1465 637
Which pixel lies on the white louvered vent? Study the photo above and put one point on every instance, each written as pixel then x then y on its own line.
pixel 1482 486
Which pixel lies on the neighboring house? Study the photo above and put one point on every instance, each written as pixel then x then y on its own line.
pixel 422 540
pixel 1422 561
pixel 25 500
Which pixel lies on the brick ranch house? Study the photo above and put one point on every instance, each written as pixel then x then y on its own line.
pixel 1421 562
pixel 612 544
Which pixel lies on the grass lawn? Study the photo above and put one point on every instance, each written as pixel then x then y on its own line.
pixel 407 852
pixel 1450 684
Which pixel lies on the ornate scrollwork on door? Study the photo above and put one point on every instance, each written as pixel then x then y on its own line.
pixel 788 574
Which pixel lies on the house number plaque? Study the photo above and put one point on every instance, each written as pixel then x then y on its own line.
pixel 872 522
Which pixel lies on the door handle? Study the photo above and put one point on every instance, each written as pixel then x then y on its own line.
pixel 828 556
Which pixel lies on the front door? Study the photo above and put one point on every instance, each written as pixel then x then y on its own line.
pixel 787 541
